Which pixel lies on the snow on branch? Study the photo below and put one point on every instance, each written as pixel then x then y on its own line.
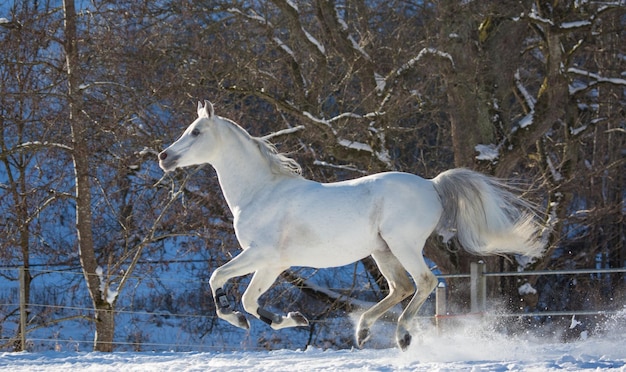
pixel 575 24
pixel 345 115
pixel 315 42
pixel 597 77
pixel 328 122
pixel 556 175
pixel 489 152
pixel 538 19
pixel 108 294
pixel 535 18
pixel 291 12
pixel 422 53
pixel 284 46
pixel 37 144
pixel 254 16
pixel 526 120
pixel 338 166
pixel 381 82
pixel 382 155
pixel 528 98
pixel 283 132
pixel 344 27
pixel 85 86
pixel 292 4
pixel 317 120
pixel 353 145
pixel 356 46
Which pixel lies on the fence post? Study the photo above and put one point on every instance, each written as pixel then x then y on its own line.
pixel 440 305
pixel 22 275
pixel 478 287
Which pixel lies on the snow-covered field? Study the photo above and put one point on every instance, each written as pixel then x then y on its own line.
pixel 463 349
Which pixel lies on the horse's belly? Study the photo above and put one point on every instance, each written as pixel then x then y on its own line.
pixel 328 243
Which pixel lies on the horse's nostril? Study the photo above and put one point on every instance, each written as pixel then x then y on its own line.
pixel 163 155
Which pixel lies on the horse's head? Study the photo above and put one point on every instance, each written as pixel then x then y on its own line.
pixel 195 145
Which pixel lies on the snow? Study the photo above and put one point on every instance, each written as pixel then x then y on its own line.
pixel 283 132
pixel 577 131
pixel 284 46
pixel 356 46
pixel 111 294
pixel 537 18
pixel 346 115
pixel 43 144
pixel 573 25
pixel 466 348
pixel 314 41
pixel 556 175
pixel 254 16
pixel 317 120
pixel 422 53
pixel 596 76
pixel 526 289
pixel 338 166
pixel 574 322
pixel 526 120
pixel 342 22
pixel 381 82
pixel 359 146
pixel 293 5
pixel 487 152
pixel 528 98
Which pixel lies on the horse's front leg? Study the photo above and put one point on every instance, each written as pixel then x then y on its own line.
pixel 260 283
pixel 245 263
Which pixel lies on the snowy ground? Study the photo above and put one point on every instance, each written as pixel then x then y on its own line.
pixel 464 349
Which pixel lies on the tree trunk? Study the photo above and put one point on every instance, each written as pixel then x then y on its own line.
pixel 104 316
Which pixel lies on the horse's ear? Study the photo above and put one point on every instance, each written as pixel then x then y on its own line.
pixel 208 107
pixel 206 111
pixel 201 112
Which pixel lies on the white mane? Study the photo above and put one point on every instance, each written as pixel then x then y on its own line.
pixel 279 163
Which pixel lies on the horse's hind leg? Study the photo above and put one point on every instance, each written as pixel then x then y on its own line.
pixel 409 252
pixel 400 287
pixel 426 281
pixel 260 283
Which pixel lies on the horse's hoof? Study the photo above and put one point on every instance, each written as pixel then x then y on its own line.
pixel 405 341
pixel 362 336
pixel 299 319
pixel 235 318
pixel 242 321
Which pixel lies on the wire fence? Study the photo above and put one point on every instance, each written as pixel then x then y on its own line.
pixel 83 313
pixel 478 290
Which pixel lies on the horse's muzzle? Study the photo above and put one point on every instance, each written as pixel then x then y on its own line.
pixel 167 163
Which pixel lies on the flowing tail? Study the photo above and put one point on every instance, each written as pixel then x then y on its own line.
pixel 486 217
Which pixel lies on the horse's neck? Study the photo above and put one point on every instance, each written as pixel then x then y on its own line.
pixel 241 171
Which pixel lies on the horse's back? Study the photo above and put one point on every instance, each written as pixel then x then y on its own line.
pixel 332 224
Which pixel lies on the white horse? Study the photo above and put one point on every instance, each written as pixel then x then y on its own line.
pixel 283 220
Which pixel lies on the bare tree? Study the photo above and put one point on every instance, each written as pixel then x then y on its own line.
pixel 522 90
pixel 32 151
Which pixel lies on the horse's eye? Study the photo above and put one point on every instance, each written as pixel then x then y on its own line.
pixel 195 132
